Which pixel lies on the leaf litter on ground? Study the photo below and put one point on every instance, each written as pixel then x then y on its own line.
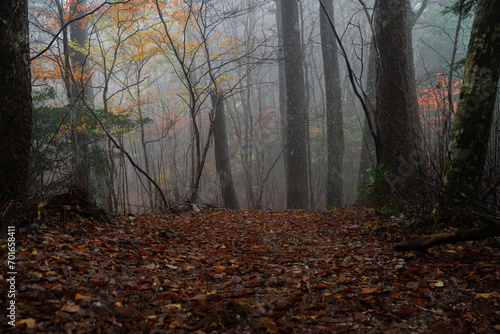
pixel 235 271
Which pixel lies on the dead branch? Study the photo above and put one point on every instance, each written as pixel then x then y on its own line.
pixel 490 229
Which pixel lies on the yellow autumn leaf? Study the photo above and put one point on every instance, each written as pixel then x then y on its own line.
pixel 439 284
pixel 30 323
pixel 118 304
pixel 483 295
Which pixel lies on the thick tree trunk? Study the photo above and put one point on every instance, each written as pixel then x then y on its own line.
pixel 296 152
pixel 15 99
pixel 396 107
pixel 222 161
pixel 464 165
pixel 334 122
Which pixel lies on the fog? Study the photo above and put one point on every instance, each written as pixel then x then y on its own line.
pixel 123 90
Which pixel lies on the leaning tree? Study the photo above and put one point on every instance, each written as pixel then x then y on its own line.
pixel 462 174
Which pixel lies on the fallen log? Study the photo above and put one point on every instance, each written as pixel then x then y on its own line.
pixel 490 229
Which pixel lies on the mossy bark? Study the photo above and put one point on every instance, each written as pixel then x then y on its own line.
pixel 464 164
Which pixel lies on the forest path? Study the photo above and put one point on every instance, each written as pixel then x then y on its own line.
pixel 265 271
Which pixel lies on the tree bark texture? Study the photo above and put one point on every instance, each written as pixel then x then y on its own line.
pixel 15 95
pixel 334 121
pixel 222 161
pixel 296 151
pixel 81 93
pixel 282 84
pixel 464 164
pixel 396 108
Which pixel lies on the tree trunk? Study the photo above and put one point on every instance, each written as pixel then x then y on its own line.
pixel 15 104
pixel 334 122
pixel 282 85
pixel 149 185
pixel 396 106
pixel 81 93
pixel 464 165
pixel 222 161
pixel 368 153
pixel 296 151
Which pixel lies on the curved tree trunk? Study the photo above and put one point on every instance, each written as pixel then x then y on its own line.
pixel 15 103
pixel 464 164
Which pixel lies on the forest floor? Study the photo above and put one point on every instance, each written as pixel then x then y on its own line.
pixel 265 271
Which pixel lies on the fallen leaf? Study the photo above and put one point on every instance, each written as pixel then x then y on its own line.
pixel 70 307
pixel 439 284
pixel 369 290
pixel 30 323
pixel 79 296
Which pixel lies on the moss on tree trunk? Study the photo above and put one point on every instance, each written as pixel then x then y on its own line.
pixel 464 165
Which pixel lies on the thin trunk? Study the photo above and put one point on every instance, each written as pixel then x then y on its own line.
pixel 81 94
pixel 368 154
pixel 143 139
pixel 282 86
pixel 442 141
